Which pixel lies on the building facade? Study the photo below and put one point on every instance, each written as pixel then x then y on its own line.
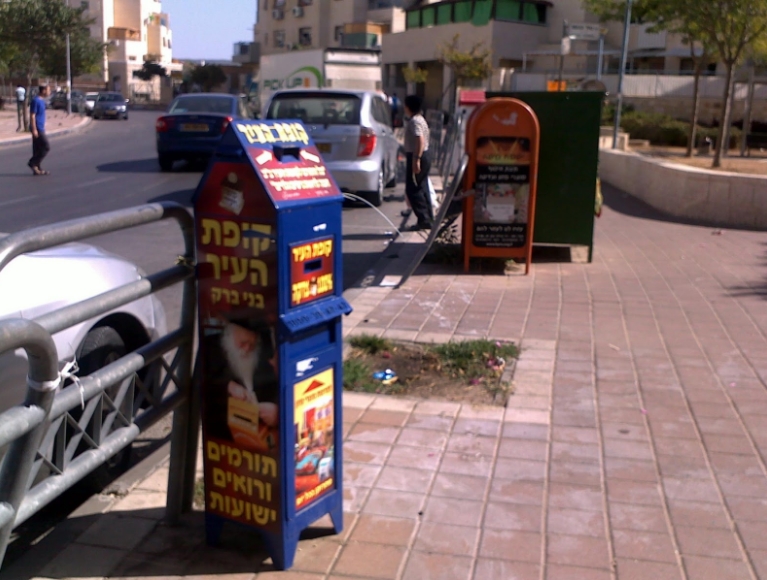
pixel 135 31
pixel 523 36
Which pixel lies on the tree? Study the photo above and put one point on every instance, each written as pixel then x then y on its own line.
pixel 415 75
pixel 728 28
pixel 87 55
pixel 208 76
pixel 466 65
pixel 149 71
pixel 34 28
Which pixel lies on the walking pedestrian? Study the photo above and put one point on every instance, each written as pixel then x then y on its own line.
pixel 418 163
pixel 40 146
pixel 21 97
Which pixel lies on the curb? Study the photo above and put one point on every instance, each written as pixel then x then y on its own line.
pixel 57 133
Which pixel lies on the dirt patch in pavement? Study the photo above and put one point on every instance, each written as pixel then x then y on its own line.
pixel 754 165
pixel 467 372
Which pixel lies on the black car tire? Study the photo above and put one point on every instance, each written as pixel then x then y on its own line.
pixel 376 197
pixel 392 183
pixel 100 347
pixel 125 117
pixel 166 162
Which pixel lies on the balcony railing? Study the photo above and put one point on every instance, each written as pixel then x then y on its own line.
pixel 477 12
pixel 123 34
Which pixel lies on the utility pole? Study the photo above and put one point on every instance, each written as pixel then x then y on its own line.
pixel 69 74
pixel 622 72
pixel 69 79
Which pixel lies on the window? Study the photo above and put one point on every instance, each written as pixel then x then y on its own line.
pixel 305 36
pixel 279 3
pixel 381 112
pixel 202 104
pixel 338 34
pixel 462 11
pixel 279 38
pixel 531 14
pixel 304 2
pixel 427 17
pixel 445 13
pixel 322 108
pixel 508 10
pixel 414 19
pixel 482 12
pixel 85 5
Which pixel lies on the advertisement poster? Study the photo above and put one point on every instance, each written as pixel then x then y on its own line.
pixel 311 271
pixel 314 424
pixel 237 297
pixel 289 166
pixel 501 192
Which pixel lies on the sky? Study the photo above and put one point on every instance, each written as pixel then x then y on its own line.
pixel 209 28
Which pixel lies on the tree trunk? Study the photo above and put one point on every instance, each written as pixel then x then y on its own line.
pixel 695 107
pixel 721 146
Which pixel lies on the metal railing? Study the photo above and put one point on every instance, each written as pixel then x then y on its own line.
pixel 448 152
pixel 61 434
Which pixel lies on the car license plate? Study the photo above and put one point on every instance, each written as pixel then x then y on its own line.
pixel 324 147
pixel 194 127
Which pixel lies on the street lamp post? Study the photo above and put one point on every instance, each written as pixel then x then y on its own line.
pixel 69 79
pixel 622 72
pixel 69 74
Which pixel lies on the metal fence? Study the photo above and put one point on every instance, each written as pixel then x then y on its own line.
pixel 55 438
pixel 449 151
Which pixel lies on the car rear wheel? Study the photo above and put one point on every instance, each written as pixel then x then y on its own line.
pixel 102 346
pixel 166 163
pixel 376 197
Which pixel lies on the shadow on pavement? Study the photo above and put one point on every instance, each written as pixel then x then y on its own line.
pixel 758 288
pixel 182 196
pixel 149 166
pixel 160 550
pixel 626 204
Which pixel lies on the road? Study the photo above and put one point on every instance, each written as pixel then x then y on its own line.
pixel 112 165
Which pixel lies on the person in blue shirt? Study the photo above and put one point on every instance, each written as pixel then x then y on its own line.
pixel 40 146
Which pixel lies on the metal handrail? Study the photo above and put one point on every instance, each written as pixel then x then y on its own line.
pixel 31 428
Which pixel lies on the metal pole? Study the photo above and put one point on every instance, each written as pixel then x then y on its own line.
pixel 69 74
pixel 42 382
pixel 69 79
pixel 561 70
pixel 747 117
pixel 622 72
pixel 600 56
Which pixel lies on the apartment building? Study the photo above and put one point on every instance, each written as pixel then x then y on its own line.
pixel 284 25
pixel 136 31
pixel 523 35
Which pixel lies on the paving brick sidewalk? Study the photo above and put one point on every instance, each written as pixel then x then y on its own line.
pixel 633 448
pixel 57 122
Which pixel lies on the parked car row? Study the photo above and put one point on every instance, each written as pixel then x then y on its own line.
pixel 352 130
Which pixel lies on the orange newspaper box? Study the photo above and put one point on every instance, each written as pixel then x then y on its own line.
pixel 502 139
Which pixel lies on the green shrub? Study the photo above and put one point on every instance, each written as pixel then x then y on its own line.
pixel 660 129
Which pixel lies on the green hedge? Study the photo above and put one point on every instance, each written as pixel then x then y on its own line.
pixel 663 130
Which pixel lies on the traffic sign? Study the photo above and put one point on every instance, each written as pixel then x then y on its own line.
pixel 584 31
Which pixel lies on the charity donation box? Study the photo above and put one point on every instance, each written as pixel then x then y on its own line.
pixel 502 140
pixel 268 232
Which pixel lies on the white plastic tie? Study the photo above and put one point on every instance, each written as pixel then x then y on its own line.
pixel 44 386
pixel 69 372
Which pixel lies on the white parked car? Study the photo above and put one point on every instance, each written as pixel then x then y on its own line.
pixel 41 282
pixel 90 102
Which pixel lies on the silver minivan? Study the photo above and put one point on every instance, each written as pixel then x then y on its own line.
pixel 353 132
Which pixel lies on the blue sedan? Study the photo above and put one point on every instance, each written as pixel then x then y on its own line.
pixel 193 126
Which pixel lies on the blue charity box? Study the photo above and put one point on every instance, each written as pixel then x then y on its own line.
pixel 270 305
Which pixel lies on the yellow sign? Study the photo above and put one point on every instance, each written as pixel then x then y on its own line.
pixel 261 133
pixel 314 427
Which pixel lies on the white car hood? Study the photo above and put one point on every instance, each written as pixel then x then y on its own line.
pixel 40 282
